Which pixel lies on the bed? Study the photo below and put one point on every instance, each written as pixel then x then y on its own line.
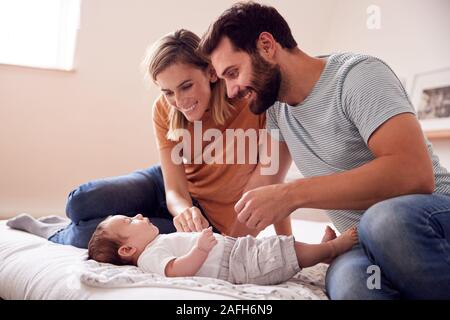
pixel 34 268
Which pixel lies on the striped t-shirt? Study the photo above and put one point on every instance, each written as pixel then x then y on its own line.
pixel 328 132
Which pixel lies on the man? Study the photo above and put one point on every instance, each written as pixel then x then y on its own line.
pixel 348 125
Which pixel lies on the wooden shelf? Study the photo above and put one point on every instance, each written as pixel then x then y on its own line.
pixel 438 135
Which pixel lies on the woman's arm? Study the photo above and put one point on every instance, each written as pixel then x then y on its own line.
pixel 187 218
pixel 175 183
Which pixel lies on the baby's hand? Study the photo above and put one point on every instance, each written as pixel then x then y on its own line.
pixel 206 241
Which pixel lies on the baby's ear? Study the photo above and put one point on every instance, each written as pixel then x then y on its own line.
pixel 126 251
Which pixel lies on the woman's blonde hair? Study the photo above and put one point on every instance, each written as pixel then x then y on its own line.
pixel 181 47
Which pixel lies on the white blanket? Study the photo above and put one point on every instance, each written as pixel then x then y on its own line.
pixel 34 268
pixel 306 285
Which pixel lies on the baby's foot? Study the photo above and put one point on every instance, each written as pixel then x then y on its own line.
pixel 329 235
pixel 344 242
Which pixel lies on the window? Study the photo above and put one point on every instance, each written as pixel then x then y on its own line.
pixel 40 33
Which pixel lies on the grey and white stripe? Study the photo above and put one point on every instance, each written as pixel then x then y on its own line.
pixel 328 132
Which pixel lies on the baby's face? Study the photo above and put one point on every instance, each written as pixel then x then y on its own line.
pixel 138 231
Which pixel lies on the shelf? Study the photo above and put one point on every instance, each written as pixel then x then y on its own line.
pixel 438 135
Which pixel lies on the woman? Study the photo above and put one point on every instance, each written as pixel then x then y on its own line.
pixel 192 195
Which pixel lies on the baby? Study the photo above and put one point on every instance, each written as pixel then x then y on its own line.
pixel 136 241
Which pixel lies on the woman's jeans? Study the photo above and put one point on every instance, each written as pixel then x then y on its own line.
pixel 404 252
pixel 139 192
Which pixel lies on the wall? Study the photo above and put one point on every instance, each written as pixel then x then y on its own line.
pixel 413 38
pixel 61 129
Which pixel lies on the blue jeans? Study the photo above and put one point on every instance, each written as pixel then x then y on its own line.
pixel 408 238
pixel 139 192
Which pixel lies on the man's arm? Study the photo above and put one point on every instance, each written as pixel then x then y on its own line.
pixel 401 166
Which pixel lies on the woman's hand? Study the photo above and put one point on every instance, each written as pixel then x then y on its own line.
pixel 190 220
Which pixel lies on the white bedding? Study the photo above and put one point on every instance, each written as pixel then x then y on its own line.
pixel 34 268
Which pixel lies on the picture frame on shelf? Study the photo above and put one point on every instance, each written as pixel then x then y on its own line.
pixel 430 96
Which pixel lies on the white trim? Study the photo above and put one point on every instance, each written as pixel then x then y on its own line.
pixel 68 15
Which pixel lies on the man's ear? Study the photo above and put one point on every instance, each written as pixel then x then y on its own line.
pixel 212 74
pixel 126 251
pixel 266 45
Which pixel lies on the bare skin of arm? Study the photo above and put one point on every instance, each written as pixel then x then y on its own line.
pixel 189 264
pixel 401 166
pixel 187 217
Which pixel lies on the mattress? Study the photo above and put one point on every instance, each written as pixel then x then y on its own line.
pixel 34 268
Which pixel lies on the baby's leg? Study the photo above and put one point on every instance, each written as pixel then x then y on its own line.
pixel 32 225
pixel 311 254
pixel 330 234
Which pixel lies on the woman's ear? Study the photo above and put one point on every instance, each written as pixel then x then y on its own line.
pixel 126 251
pixel 212 75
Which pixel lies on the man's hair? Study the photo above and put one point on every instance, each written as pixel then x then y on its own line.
pixel 243 23
pixel 104 247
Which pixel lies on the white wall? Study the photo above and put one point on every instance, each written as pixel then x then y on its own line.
pixel 413 38
pixel 61 129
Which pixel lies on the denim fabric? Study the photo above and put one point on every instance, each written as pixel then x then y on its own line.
pixel 408 238
pixel 139 192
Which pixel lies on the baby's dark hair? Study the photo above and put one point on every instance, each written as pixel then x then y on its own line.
pixel 104 246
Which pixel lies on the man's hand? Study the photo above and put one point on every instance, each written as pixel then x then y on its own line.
pixel 206 241
pixel 264 206
pixel 190 220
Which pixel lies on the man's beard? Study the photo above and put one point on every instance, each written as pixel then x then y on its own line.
pixel 265 84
